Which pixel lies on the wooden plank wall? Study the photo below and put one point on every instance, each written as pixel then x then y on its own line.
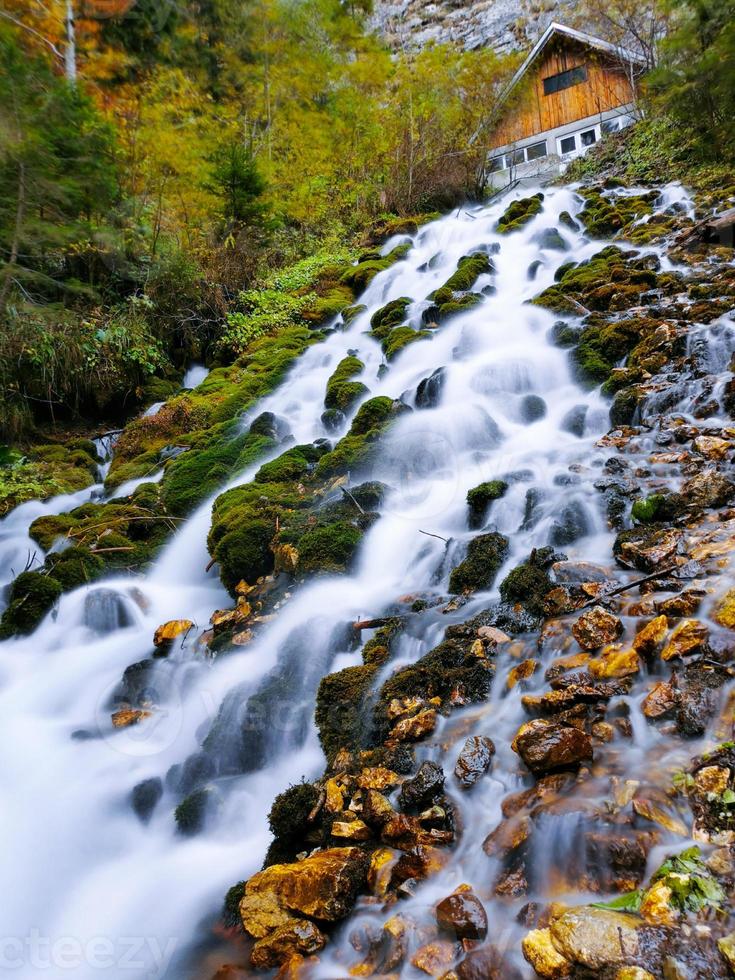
pixel 606 88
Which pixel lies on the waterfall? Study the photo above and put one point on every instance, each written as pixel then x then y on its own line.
pixel 125 895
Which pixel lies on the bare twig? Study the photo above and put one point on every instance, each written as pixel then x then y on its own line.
pixel 430 535
pixel 347 493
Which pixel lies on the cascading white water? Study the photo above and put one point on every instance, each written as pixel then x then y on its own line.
pixel 91 885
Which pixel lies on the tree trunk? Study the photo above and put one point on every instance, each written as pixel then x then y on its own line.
pixel 15 246
pixel 70 53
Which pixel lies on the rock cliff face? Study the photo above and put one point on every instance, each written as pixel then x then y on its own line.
pixel 501 24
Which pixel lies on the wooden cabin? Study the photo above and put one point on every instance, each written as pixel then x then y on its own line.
pixel 571 90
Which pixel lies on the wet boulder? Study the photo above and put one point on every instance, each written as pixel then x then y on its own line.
pixel 297 938
pixel 571 525
pixel 519 213
pixel 480 498
pixel 425 787
pixel 708 489
pixel 429 390
pixel 463 915
pixel 546 746
pixel 333 420
pixel 145 796
pixel 552 239
pixel 595 939
pixel 474 760
pixel 533 408
pixel 596 628
pixel 575 420
pixel 528 583
pixel 323 886
pixel 647 549
pixel 269 425
pixel 485 554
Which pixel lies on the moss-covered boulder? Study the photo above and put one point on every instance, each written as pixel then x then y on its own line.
pixel 342 390
pixel 388 317
pixel 356 451
pixel 468 271
pixel 359 276
pixel 528 583
pixel 340 704
pixel 519 213
pixel 39 472
pixel 479 499
pixel 485 554
pixel 32 595
pixel 606 216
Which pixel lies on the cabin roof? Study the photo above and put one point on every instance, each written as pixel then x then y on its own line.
pixel 554 30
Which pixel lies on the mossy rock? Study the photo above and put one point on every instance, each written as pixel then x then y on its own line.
pixel 342 390
pixel 340 701
pixel 359 276
pixel 401 337
pixel 329 301
pixel 485 554
pixel 479 499
pixel 528 583
pixel 355 450
pixel 289 814
pixel 75 566
pixel 32 595
pixel 328 548
pixel 658 507
pixel 391 315
pixel 438 314
pixel 191 814
pixel 468 271
pixel 290 466
pixel 519 213
pixel 447 671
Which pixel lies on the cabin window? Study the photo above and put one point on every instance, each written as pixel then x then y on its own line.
pixel 565 79
pixel 610 126
pixel 568 144
pixel 588 137
pixel 496 164
pixel 537 151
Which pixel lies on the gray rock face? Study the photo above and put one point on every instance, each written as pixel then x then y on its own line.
pixel 501 24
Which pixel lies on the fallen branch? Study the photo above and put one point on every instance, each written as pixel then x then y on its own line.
pixel 347 493
pixel 631 585
pixel 430 535
pixel 371 624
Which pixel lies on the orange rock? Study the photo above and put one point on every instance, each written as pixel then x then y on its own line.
pixel 595 628
pixel 126 717
pixel 351 830
pixel 413 729
pixel 656 908
pixel 689 637
pixel 651 636
pixel 660 700
pixel 724 613
pixel 435 958
pixel 615 663
pixel 382 861
pixel 379 778
pixel 168 632
pixel 712 447
pixel 521 672
pixel 297 937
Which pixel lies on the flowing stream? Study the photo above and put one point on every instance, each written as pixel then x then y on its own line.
pixel 88 888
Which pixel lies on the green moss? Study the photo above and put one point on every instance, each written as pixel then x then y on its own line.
pixel 231 906
pixel 529 582
pixel 658 507
pixel 191 813
pixel 74 566
pixel 289 814
pixel 485 555
pixel 342 390
pixel 244 552
pixel 469 269
pixel 332 299
pixel 340 701
pixel 290 466
pixel 440 313
pixel 519 213
pixel 480 497
pixel 448 671
pixel 355 450
pixel 329 548
pixel 32 595
pixel 401 337
pixel 360 276
pixel 391 315
pixel 604 217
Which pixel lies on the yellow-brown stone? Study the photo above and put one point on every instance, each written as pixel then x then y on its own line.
pixel 648 640
pixel 434 958
pixel 615 663
pixel 521 672
pixel 297 937
pixel 689 637
pixel 126 717
pixel 544 957
pixel 656 905
pixel 378 778
pixel 413 729
pixel 724 612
